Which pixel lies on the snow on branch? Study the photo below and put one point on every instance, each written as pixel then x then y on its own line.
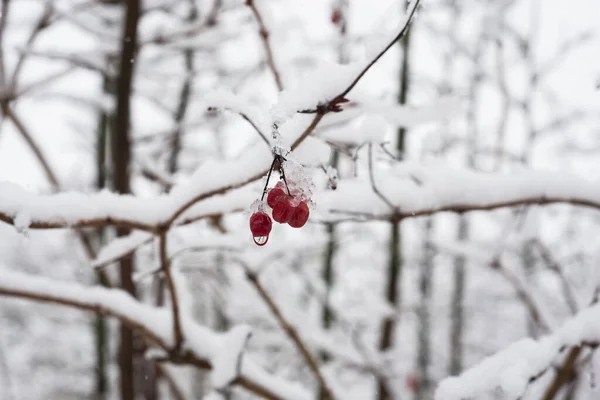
pixel 75 210
pixel 513 369
pixel 417 190
pixel 202 348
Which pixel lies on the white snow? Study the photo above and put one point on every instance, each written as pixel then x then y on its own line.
pixel 222 99
pixel 317 86
pixel 445 188
pixel 201 341
pixel 225 366
pixel 511 369
pixel 120 247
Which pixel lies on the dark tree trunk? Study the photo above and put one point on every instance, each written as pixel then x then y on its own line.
pixel 121 159
pixel 100 325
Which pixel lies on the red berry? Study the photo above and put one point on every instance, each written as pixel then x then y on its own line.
pixel 283 210
pixel 336 16
pixel 274 195
pixel 260 224
pixel 299 215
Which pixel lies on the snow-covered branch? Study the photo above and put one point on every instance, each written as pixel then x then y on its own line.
pixel 203 348
pixel 513 369
pixel 443 188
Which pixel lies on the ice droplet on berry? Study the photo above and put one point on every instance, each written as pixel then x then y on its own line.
pixel 299 181
pixel 261 240
pixel 260 225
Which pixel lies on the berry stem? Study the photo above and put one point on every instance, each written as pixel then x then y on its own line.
pixel 268 178
pixel 283 177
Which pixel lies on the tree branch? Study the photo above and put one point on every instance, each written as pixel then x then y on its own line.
pixel 166 268
pixel 290 330
pixel 145 319
pixel 264 34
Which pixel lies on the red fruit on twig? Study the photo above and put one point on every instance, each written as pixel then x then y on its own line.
pixel 299 216
pixel 274 195
pixel 283 210
pixel 260 226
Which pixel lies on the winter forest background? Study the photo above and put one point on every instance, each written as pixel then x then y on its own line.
pixel 452 247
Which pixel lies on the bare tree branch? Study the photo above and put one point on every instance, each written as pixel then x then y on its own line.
pixel 42 24
pixel 555 267
pixel 264 34
pixel 372 180
pixel 288 328
pixel 523 294
pixel 166 268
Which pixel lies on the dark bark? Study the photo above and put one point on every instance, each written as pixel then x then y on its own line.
pixel 100 325
pixel 121 159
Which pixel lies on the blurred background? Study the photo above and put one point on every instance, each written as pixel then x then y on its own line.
pixel 388 308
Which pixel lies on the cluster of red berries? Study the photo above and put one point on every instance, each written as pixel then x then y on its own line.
pixel 286 209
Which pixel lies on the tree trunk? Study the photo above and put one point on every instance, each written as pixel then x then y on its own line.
pixel 457 319
pixel 121 158
pixel 100 325
pixel 394 271
pixel 424 316
pixel 457 303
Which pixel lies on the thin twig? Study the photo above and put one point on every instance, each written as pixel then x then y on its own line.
pixel 413 8
pixel 268 179
pixel 256 128
pixel 42 24
pixel 264 34
pixel 166 268
pixel 14 118
pixel 290 330
pixel 372 179
pixel 3 18
pixel 555 267
pixel 523 294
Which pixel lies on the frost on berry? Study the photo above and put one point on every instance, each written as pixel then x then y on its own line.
pixel 283 210
pixel 299 182
pixel 260 226
pixel 299 215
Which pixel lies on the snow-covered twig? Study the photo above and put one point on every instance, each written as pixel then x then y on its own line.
pixel 564 372
pixel 337 99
